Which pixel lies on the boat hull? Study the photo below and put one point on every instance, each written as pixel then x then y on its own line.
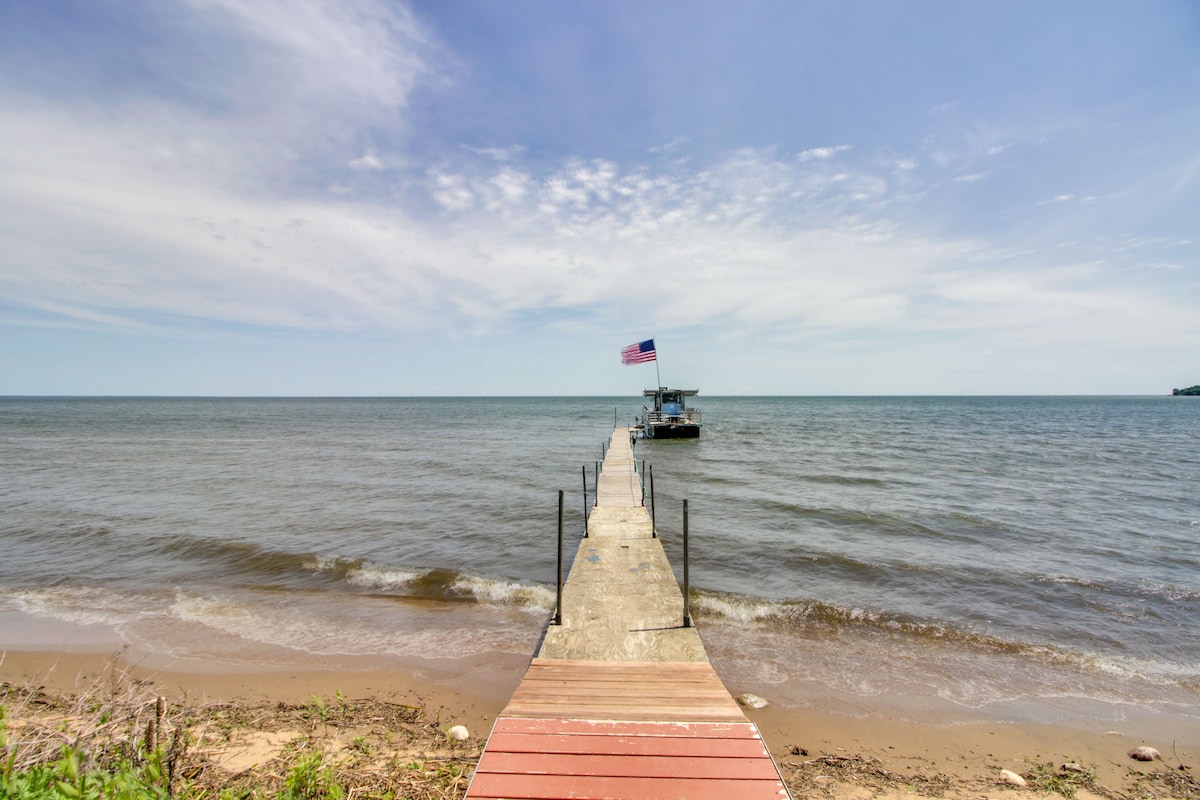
pixel 669 431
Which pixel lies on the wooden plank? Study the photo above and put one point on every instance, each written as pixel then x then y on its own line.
pixel 626 745
pixel 695 730
pixel 623 690
pixel 664 673
pixel 615 685
pixel 664 679
pixel 632 688
pixel 635 699
pixel 623 709
pixel 624 766
pixel 554 787
pixel 619 712
pixel 585 668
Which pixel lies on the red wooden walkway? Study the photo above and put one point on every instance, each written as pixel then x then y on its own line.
pixel 553 759
pixel 597 730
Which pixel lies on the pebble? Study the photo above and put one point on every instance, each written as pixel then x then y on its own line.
pixel 1144 753
pixel 751 701
pixel 459 733
pixel 1011 778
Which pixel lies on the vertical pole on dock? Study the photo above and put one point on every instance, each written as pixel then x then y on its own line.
pixel 643 477
pixel 585 503
pixel 597 487
pixel 653 507
pixel 558 601
pixel 687 597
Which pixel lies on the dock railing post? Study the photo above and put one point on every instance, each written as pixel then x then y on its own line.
pixel 585 503
pixel 653 507
pixel 642 477
pixel 558 600
pixel 687 597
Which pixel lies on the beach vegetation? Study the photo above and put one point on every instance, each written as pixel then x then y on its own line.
pixel 1174 783
pixel 311 778
pixel 1063 780
pixel 318 709
pixel 65 779
pixel 117 740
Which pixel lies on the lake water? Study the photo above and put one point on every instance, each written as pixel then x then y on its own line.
pixel 1004 558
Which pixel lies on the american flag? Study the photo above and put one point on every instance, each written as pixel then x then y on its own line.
pixel 639 353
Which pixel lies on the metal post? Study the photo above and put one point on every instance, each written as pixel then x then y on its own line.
pixel 558 601
pixel 642 476
pixel 597 494
pixel 653 507
pixel 585 503
pixel 687 596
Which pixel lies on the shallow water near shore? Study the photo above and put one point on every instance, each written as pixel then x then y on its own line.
pixel 1023 559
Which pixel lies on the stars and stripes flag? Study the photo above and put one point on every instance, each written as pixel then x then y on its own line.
pixel 640 353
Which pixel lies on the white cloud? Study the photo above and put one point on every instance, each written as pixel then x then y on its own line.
pixel 822 153
pixel 670 147
pixel 120 221
pixel 365 53
pixel 511 188
pixel 368 161
pixel 496 153
pixel 452 191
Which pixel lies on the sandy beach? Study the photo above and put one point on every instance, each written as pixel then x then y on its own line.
pixel 820 753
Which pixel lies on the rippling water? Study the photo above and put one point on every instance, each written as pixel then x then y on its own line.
pixel 985 553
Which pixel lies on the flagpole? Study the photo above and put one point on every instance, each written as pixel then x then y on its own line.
pixel 657 377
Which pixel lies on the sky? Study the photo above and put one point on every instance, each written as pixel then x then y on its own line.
pixel 453 197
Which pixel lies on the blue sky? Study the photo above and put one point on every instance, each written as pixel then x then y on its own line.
pixel 367 197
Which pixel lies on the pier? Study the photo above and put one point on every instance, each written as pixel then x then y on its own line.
pixel 621 700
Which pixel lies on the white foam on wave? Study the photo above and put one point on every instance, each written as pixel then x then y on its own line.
pixel 81 605
pixel 739 609
pixel 1152 670
pixel 373 576
pixel 531 597
pixel 351 631
pixel 1170 591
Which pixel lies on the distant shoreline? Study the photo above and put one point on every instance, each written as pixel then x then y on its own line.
pixel 631 398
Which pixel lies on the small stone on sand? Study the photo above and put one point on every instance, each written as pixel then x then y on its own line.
pixel 1144 753
pixel 751 701
pixel 1011 778
pixel 459 733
